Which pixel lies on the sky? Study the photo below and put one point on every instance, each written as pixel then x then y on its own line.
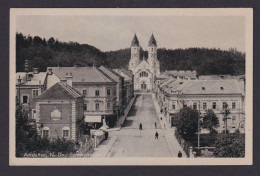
pixel 109 33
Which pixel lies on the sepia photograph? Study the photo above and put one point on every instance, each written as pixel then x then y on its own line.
pixel 131 86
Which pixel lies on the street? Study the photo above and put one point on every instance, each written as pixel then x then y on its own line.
pixel 133 143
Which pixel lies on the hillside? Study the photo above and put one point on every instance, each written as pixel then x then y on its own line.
pixel 42 53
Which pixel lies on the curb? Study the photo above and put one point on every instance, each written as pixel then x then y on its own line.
pixel 111 146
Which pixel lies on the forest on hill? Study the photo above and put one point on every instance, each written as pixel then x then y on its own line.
pixel 42 53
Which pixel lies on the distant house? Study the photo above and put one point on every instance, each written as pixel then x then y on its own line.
pixel 128 83
pixel 30 85
pixel 120 102
pixel 99 91
pixel 202 95
pixel 57 112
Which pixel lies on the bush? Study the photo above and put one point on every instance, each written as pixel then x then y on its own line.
pixel 230 145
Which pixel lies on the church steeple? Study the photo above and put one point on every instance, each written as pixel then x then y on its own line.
pixel 135 53
pixel 152 41
pixel 135 41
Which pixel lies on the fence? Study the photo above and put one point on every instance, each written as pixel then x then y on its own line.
pixel 184 144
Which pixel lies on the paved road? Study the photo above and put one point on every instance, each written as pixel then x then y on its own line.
pixel 132 143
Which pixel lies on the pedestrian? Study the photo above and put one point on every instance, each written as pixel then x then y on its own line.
pixel 164 126
pixel 179 154
pixel 156 135
pixel 155 125
pixel 140 126
pixel 161 118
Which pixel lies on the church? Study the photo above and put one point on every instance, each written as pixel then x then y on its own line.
pixel 144 70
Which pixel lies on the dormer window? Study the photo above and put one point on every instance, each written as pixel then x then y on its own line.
pixel 222 89
pixel 203 89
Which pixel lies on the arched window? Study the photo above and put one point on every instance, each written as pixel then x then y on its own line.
pixel 143 74
pixel 66 132
pixel 46 132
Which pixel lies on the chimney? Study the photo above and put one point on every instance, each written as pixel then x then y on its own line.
pixel 49 71
pixel 76 65
pixel 26 66
pixel 35 70
pixel 69 79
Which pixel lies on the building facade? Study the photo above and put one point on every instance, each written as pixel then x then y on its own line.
pixel 203 95
pixel 98 89
pixel 144 70
pixel 57 112
pixel 30 85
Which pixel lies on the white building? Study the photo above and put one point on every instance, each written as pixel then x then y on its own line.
pixel 203 95
pixel 144 70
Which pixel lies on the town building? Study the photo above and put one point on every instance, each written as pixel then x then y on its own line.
pixel 98 89
pixel 120 91
pixel 144 70
pixel 57 111
pixel 203 95
pixel 29 85
pixel 128 83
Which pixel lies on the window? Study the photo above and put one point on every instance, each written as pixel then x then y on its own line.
pixel 224 105
pixel 25 99
pixel 35 93
pixel 194 105
pixel 233 105
pixel 222 89
pixel 65 132
pixel 204 105
pixel 143 74
pixel 84 92
pixel 108 105
pixel 203 89
pixel 45 132
pixel 234 119
pixel 97 106
pixel 85 107
pixel 97 93
pixel 173 106
pixel 108 92
pixel 214 105
pixel 33 114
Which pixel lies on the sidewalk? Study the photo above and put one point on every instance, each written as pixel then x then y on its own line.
pixel 104 148
pixel 171 140
pixel 121 120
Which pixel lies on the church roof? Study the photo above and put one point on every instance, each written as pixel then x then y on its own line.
pixel 152 41
pixel 135 41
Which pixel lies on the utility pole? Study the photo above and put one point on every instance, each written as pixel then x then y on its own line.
pixel 199 127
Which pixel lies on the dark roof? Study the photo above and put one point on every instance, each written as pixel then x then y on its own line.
pixel 82 74
pixel 152 41
pixel 59 91
pixel 111 73
pixel 135 41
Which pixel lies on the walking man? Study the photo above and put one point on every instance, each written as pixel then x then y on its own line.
pixel 140 126
pixel 156 135
pixel 179 154
pixel 155 125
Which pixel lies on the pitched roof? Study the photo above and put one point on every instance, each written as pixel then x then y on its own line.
pixel 182 73
pixel 35 79
pixel 229 86
pixel 82 74
pixel 135 41
pixel 111 73
pixel 124 73
pixel 152 41
pixel 59 91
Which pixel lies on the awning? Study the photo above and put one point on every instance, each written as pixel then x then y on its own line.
pixel 89 118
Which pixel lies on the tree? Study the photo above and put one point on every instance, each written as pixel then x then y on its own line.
pixel 210 121
pixel 186 122
pixel 230 145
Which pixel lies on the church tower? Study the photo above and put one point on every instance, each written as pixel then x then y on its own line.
pixel 152 56
pixel 135 54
